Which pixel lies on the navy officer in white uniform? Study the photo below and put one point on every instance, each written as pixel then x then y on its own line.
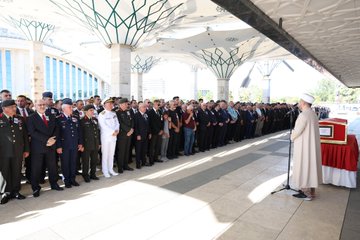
pixel 109 129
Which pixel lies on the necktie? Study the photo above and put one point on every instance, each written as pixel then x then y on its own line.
pixel 23 113
pixel 44 120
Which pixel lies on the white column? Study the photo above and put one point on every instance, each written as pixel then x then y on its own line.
pixel 120 70
pixel 266 89
pixel 194 69
pixel 139 91
pixel 36 70
pixel 223 89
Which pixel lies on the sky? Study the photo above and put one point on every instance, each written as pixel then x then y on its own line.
pixel 170 78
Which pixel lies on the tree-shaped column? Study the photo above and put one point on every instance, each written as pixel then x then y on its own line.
pixel 37 33
pixel 140 66
pixel 222 63
pixel 122 25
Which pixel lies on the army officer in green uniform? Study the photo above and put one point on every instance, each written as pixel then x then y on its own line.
pixel 124 137
pixel 14 147
pixel 91 134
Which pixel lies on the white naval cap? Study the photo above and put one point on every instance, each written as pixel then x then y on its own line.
pixel 307 98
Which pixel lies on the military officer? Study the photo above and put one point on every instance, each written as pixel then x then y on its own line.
pixel 91 136
pixel 125 135
pixel 48 98
pixel 14 147
pixel 69 142
pixel 109 129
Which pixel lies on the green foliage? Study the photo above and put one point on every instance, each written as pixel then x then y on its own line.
pixel 251 94
pixel 205 94
pixel 331 91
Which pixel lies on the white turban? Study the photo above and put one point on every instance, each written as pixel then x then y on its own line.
pixel 307 98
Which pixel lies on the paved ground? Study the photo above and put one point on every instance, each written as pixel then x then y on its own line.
pixel 221 194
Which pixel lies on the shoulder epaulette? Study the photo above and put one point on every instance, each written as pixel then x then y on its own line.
pixel 103 112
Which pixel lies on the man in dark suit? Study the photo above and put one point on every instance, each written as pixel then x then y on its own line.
pixel 48 98
pixel 78 111
pixel 203 128
pixel 174 121
pixel 14 147
pixel 125 135
pixel 69 142
pixel 142 133
pixel 21 109
pixel 91 135
pixel 43 131
pixel 156 130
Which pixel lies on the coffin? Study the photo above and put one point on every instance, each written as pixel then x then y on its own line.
pixel 333 130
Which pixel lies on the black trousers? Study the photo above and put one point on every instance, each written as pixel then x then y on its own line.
pixel 209 137
pixel 222 135
pixel 141 149
pixel 173 142
pixel 10 167
pixel 202 138
pixel 230 132
pixel 154 148
pixel 123 150
pixel 40 161
pixel 89 158
pixel 215 141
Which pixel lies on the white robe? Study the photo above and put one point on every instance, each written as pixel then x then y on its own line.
pixel 307 167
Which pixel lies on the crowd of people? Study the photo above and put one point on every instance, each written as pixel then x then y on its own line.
pixel 64 138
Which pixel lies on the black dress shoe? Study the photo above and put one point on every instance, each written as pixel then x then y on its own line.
pixel 18 196
pixel 75 184
pixel 159 160
pixel 94 177
pixel 86 178
pixel 4 199
pixel 77 173
pixel 42 181
pixel 147 165
pixel 120 171
pixel 129 169
pixel 57 188
pixel 68 185
pixel 36 193
pixel 138 166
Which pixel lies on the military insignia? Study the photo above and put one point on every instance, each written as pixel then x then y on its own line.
pixel 94 121
pixel 74 120
pixel 16 121
pixel 52 111
pixel 103 112
pixel 47 118
pixel 128 113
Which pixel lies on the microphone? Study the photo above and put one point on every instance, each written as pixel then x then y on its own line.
pixel 292 109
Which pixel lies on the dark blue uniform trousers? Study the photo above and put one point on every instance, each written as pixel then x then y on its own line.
pixel 68 164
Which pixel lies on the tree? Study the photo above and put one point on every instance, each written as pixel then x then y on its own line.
pixel 325 90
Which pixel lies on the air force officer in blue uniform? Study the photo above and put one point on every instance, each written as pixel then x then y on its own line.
pixel 69 142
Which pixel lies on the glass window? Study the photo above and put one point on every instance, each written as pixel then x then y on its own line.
pixel 74 83
pixel 86 90
pixel 1 77
pixel 67 78
pixel 61 79
pixel 96 87
pixel 80 79
pixel 47 73
pixel 54 80
pixel 90 85
pixel 8 70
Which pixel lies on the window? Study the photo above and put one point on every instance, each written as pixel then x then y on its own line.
pixel 79 84
pixel 74 82
pixel 86 89
pixel 67 78
pixel 8 70
pixel 90 85
pixel 47 73
pixel 61 79
pixel 96 87
pixel 54 80
pixel 1 77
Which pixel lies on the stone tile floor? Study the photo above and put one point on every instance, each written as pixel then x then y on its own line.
pixel 221 194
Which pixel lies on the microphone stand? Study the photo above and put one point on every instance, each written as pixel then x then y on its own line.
pixel 287 185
